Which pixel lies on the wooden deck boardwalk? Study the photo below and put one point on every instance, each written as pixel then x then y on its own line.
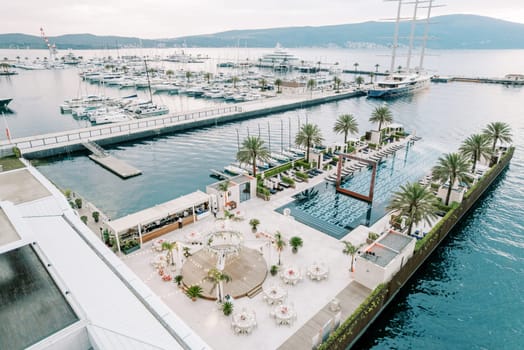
pixel 350 298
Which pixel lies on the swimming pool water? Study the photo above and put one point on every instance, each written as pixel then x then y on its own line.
pixel 335 214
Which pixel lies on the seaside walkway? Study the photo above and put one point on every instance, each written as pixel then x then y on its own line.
pixel 41 146
pixel 350 299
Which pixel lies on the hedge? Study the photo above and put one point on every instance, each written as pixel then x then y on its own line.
pixel 277 170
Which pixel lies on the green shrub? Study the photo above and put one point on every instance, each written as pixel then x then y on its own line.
pixel 84 219
pixel 277 170
pixel 372 145
pixel 67 193
pixel 96 216
pixel 301 175
pixel 227 308
pixel 373 236
pixel 17 152
pixel 288 180
pixel 78 203
pixel 302 163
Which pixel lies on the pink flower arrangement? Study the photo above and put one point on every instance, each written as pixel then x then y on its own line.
pixel 166 278
pixel 291 272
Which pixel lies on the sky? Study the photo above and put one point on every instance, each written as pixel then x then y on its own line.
pixel 174 18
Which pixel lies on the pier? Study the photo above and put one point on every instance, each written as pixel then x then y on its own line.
pixel 46 145
pixel 116 166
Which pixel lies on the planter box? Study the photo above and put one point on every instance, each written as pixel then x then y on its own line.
pixel 130 250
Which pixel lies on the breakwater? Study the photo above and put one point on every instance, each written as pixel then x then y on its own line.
pixel 41 146
pixel 357 324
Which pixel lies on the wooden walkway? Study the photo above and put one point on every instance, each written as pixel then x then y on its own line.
pixel 350 298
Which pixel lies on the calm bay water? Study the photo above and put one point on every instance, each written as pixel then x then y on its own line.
pixel 469 295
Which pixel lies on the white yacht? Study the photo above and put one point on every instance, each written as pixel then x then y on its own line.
pixel 408 80
pixel 278 60
pixel 399 84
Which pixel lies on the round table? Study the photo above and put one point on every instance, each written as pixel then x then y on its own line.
pixel 317 272
pixel 290 275
pixel 284 314
pixel 243 322
pixel 274 294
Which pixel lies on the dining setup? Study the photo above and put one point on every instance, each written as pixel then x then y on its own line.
pixel 274 294
pixel 243 322
pixel 284 314
pixel 317 272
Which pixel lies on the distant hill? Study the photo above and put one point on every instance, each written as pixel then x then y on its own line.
pixel 446 32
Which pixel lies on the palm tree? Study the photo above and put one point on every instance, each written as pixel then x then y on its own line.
pixel 497 131
pixel 253 150
pixel 376 67
pixel 278 83
pixel 280 244
pixel 169 73
pixel 350 249
pixel 263 83
pixel 208 76
pixel 235 80
pixel 311 83
pixel 381 115
pixel 224 187
pixel 359 81
pixel 476 147
pixel 308 135
pixel 371 76
pixel 336 82
pixel 415 202
pixel 452 167
pixel 216 277
pixel 188 76
pixel 356 66
pixel 170 246
pixel 346 123
pixel 399 69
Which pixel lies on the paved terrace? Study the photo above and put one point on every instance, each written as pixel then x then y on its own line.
pixel 310 298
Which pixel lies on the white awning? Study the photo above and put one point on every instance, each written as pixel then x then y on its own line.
pixel 158 212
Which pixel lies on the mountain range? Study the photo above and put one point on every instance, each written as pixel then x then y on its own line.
pixel 445 32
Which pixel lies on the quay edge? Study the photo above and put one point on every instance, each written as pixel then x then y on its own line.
pixel 349 332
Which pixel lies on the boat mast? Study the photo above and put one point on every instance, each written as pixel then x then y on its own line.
pixel 425 37
pixel 148 82
pixel 395 38
pixel 412 35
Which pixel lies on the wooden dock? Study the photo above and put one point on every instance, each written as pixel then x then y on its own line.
pixel 109 162
pixel 350 299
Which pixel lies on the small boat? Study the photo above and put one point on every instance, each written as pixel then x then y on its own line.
pixel 111 118
pixel 235 170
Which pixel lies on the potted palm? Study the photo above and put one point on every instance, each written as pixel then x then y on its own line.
pixel 227 308
pixel 372 237
pixel 178 280
pixel 295 243
pixel 254 224
pixel 194 292
pixel 273 270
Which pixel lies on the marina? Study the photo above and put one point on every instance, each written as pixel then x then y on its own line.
pixel 288 251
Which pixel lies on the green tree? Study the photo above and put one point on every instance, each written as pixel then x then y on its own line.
pixel 451 167
pixel 356 67
pixel 263 83
pixel 371 77
pixel 376 67
pixel 295 243
pixel 336 83
pixel 359 81
pixel 345 124
pixel 170 247
pixel 253 150
pixel 188 76
pixel 415 202
pixel 208 77
pixel 216 278
pixel 497 131
pixel 280 244
pixel 308 135
pixel 224 188
pixel 351 250
pixel 278 84
pixel 381 115
pixel 235 80
pixel 311 83
pixel 170 73
pixel 476 147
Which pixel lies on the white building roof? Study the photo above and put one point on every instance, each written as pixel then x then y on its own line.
pixel 158 211
pixel 118 309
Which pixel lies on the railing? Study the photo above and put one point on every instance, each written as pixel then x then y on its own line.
pixel 100 132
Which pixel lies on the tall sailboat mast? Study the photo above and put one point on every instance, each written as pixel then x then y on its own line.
pixel 425 37
pixel 395 38
pixel 412 35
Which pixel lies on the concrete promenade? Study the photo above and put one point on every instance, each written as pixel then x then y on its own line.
pixel 41 146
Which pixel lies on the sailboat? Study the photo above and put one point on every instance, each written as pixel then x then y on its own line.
pixel 405 81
